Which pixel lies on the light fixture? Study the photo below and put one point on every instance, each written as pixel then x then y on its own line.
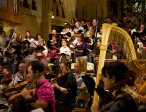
pixel 52 15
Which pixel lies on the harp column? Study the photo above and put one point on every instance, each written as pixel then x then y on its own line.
pixel 103 49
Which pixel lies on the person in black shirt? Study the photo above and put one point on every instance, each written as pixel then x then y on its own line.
pixel 115 81
pixel 65 89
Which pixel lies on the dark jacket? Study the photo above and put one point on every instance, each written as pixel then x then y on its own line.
pixel 122 104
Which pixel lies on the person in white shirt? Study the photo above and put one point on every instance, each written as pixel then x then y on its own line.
pixel 29 37
pixel 21 73
pixel 78 27
pixel 82 93
pixel 65 49
pixel 65 52
pixel 81 87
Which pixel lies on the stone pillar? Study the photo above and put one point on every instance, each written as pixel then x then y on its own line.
pixel 45 18
pixel 69 6
pixel 105 8
pixel 91 10
pixel 99 9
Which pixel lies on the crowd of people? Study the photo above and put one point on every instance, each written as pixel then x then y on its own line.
pixel 43 68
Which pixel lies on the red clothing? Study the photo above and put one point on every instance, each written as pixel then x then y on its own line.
pixel 53 53
pixel 45 92
pixel 42 58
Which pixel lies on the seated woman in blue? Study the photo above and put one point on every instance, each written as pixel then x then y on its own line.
pixel 115 76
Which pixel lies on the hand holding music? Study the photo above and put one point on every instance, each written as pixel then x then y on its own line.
pixel 25 93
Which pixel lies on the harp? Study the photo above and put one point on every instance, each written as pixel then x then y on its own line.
pixel 113 33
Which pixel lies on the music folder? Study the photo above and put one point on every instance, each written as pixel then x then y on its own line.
pixel 40 48
pixel 25 42
pixel 50 36
pixel 68 34
pixel 79 32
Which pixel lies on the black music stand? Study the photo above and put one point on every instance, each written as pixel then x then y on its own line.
pixel 104 96
pixel 90 84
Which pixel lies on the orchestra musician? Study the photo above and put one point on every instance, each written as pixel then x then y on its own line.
pixel 6 77
pixel 82 92
pixel 138 92
pixel 43 93
pixel 114 81
pixel 21 73
pixel 65 89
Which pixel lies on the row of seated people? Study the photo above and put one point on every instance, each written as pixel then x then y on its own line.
pixel 67 85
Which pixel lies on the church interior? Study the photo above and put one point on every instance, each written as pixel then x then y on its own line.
pixel 73 55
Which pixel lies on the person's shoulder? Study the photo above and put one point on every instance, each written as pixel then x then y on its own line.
pixel 71 74
pixel 125 104
pixel 125 101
